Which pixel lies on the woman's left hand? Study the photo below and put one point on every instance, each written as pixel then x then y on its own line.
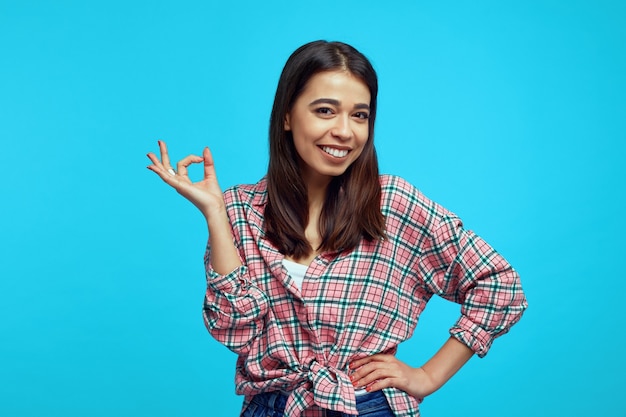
pixel 383 371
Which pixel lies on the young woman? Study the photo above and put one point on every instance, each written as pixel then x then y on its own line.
pixel 317 272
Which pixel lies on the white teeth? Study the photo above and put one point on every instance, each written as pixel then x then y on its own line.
pixel 335 152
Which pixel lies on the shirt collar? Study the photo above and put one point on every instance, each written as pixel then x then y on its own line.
pixel 259 191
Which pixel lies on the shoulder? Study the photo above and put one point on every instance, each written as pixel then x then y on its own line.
pixel 247 194
pixel 398 193
pixel 402 200
pixel 395 185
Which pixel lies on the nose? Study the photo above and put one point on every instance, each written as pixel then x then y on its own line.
pixel 342 129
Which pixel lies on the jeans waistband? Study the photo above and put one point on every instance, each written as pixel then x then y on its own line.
pixel 276 400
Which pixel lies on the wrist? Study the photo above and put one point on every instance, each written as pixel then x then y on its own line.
pixel 424 383
pixel 215 215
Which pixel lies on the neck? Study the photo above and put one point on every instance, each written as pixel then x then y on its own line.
pixel 316 197
pixel 316 191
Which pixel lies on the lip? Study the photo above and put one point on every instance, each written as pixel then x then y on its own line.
pixel 340 147
pixel 335 158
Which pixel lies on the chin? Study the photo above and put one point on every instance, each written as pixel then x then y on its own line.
pixel 333 171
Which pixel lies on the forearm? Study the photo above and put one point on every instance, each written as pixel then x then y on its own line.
pixel 447 361
pixel 224 256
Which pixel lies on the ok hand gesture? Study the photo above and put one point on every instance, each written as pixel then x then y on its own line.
pixel 205 194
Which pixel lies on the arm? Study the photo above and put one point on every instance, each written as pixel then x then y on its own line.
pixel 233 310
pixel 223 256
pixel 459 266
pixel 446 362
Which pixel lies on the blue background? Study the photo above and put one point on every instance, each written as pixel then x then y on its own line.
pixel 511 114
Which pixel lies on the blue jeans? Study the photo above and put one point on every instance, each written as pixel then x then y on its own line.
pixel 272 404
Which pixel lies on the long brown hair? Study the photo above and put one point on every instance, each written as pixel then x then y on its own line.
pixel 351 211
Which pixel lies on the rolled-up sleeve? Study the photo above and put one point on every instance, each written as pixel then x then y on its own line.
pixel 234 308
pixel 460 266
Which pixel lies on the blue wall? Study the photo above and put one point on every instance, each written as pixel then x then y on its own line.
pixel 511 114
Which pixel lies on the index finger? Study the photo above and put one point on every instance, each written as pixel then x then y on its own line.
pixel 379 357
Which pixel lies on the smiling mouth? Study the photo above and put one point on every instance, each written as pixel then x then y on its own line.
pixel 337 153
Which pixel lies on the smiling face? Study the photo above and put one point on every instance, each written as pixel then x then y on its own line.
pixel 329 124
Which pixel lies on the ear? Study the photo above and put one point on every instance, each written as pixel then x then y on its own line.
pixel 287 124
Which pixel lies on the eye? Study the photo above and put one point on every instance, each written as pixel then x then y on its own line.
pixel 324 111
pixel 362 115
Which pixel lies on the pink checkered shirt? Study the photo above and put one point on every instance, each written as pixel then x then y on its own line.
pixel 354 303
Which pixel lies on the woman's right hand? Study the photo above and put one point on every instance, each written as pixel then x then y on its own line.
pixel 205 194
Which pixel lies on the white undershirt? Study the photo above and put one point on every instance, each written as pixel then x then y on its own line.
pixel 297 272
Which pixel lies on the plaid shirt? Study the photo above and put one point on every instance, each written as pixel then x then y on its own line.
pixel 354 303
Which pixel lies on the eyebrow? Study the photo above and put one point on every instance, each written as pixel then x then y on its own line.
pixel 337 103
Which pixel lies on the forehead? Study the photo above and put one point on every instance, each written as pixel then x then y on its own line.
pixel 341 85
